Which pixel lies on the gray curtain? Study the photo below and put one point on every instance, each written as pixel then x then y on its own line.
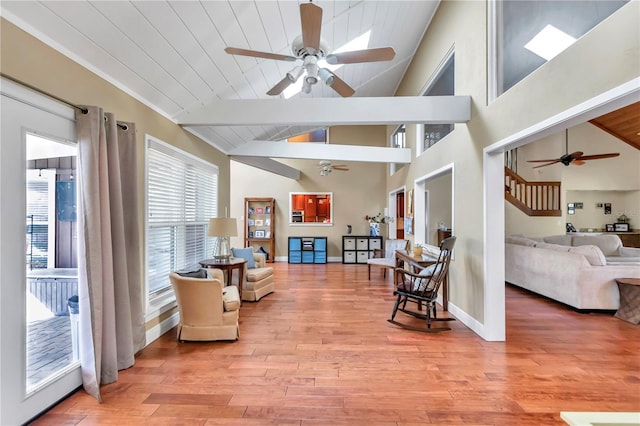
pixel 110 288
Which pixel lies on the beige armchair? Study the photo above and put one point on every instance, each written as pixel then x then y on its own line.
pixel 388 261
pixel 208 309
pixel 258 281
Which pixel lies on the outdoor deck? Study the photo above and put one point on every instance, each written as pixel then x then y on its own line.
pixel 49 347
pixel 49 340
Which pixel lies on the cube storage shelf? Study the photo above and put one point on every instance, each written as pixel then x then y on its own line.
pixel 358 249
pixel 307 249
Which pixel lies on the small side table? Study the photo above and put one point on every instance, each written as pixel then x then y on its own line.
pixel 629 309
pixel 228 267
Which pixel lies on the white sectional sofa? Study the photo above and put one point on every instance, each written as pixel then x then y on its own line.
pixel 571 270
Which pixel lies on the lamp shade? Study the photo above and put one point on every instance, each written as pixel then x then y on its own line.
pixel 223 227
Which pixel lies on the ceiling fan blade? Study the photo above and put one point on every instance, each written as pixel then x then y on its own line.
pixel 548 164
pixel 342 88
pixel 278 88
pixel 311 23
pixel 599 156
pixel 340 168
pixel 367 55
pixel 256 54
pixel 542 161
pixel 578 162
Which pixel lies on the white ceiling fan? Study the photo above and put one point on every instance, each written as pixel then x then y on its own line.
pixel 326 167
pixel 310 48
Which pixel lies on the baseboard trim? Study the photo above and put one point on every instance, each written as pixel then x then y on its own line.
pixel 159 329
pixel 476 326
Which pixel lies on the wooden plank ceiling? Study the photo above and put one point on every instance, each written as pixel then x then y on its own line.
pixel 623 123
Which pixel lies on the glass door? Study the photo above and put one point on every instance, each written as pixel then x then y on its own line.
pixel 38 257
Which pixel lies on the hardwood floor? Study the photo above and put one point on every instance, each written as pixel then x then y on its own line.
pixel 319 351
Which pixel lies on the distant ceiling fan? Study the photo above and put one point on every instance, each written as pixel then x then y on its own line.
pixel 576 158
pixel 310 48
pixel 326 167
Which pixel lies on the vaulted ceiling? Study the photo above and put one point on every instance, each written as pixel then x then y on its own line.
pixel 623 123
pixel 170 54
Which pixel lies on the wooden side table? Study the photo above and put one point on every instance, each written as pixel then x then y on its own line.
pixel 228 267
pixel 629 309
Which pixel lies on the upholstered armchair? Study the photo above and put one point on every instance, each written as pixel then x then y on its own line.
pixel 208 309
pixel 258 277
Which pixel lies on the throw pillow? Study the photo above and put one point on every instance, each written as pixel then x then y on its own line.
pixel 608 244
pixel 563 240
pixel 245 253
pixel 194 273
pixel 593 254
pixel 421 283
pixel 522 241
pixel 556 247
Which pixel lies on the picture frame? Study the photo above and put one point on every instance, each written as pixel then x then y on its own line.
pixel 267 222
pixel 259 210
pixel 609 227
pixel 250 222
pixel 250 234
pixel 259 222
pixel 267 234
pixel 267 210
pixel 250 211
pixel 621 227
pixel 259 234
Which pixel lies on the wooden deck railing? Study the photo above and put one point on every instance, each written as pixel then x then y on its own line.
pixel 533 198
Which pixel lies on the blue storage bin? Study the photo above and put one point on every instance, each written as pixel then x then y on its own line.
pixel 321 258
pixel 307 257
pixel 320 244
pixel 295 257
pixel 295 244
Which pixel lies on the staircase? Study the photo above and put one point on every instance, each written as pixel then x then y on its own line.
pixel 533 198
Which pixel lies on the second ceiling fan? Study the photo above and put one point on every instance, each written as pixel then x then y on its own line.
pixel 576 158
pixel 311 48
pixel 326 167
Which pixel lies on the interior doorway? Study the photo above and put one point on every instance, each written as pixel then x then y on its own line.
pixel 494 327
pixel 399 220
pixel 397 211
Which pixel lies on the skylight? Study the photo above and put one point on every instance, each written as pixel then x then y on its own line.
pixel 359 43
pixel 549 42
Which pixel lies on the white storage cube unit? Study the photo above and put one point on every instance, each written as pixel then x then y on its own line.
pixel 358 249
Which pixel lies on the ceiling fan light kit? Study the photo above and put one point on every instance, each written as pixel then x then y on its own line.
pixel 326 167
pixel 310 48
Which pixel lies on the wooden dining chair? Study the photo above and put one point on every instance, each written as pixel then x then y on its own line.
pixel 387 259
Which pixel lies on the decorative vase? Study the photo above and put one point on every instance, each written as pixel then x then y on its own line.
pixel 374 229
pixel 417 251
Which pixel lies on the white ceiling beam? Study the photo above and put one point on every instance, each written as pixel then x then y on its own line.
pixel 269 165
pixel 315 151
pixel 330 111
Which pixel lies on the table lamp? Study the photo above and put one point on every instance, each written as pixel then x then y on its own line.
pixel 223 228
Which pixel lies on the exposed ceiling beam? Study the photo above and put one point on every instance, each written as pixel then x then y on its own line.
pixel 314 151
pixel 330 111
pixel 269 165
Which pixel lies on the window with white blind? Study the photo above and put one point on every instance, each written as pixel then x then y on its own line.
pixel 182 195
